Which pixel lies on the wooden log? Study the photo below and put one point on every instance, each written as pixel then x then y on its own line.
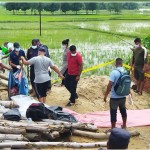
pixel 3 88
pixel 50 136
pixel 15 137
pixel 98 135
pixel 55 144
pixel 9 130
pixel 33 137
pixel 9 104
pixel 84 126
pixel 4 82
pixel 2 76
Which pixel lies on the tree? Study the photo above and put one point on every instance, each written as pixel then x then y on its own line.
pixel 101 6
pixel 24 7
pixel 90 6
pixel 52 7
pixel 130 6
pixel 76 7
pixel 116 7
pixel 10 7
pixel 65 7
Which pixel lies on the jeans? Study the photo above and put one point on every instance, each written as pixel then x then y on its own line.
pixel 71 86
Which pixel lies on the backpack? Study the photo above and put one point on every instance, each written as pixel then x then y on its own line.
pixel 37 112
pixel 12 114
pixel 122 87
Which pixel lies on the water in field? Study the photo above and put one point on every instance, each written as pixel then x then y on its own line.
pixel 97 46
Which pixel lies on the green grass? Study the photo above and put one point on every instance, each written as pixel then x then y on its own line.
pixel 92 34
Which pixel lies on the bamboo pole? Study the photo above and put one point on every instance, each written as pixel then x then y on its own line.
pixel 84 126
pixel 47 144
pixel 4 82
pixel 16 137
pixel 9 104
pixel 10 130
pixel 98 135
pixel 2 76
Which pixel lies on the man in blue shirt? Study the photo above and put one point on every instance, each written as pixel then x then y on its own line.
pixel 15 57
pixel 116 100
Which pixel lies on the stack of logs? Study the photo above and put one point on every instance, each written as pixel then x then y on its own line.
pixel 28 134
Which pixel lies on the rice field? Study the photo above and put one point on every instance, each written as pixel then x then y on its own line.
pixel 96 40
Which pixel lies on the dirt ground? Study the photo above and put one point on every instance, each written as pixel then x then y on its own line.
pixel 90 91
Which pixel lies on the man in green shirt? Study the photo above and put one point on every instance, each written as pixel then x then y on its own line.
pixel 139 64
pixel 5 50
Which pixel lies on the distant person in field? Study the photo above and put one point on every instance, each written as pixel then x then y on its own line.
pixel 6 49
pixel 65 44
pixel 32 52
pixel 14 58
pixel 75 66
pixel 139 61
pixel 116 100
pixel 42 78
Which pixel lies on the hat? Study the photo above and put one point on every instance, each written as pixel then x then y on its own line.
pixel 118 139
pixel 36 40
pixel 16 45
pixel 42 49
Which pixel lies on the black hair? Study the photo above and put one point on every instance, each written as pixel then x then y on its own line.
pixel 65 42
pixel 72 48
pixel 33 41
pixel 119 61
pixel 137 40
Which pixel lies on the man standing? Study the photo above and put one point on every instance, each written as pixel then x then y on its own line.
pixel 32 52
pixel 139 64
pixel 15 57
pixel 75 66
pixel 116 100
pixel 42 78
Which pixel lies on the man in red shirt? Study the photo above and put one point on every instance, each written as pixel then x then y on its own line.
pixel 75 66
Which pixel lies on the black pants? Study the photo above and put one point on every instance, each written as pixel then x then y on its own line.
pixel 63 81
pixel 71 85
pixel 114 104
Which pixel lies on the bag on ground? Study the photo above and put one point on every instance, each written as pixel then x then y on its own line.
pixel 122 87
pixel 57 114
pixel 37 112
pixel 12 114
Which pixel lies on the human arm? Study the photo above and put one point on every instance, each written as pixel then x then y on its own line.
pixel 109 86
pixel 24 61
pixel 3 66
pixel 57 71
pixel 80 71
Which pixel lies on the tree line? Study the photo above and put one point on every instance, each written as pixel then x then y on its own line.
pixel 66 7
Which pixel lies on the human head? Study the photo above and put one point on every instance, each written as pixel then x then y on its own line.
pixel 34 45
pixel 118 139
pixel 73 51
pixel 119 62
pixel 17 46
pixel 37 41
pixel 137 41
pixel 41 50
pixel 65 43
pixel 5 44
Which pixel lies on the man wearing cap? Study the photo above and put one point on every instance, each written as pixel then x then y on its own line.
pixel 118 139
pixel 42 78
pixel 75 66
pixel 15 57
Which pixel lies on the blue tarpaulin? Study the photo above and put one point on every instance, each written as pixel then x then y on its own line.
pixel 17 83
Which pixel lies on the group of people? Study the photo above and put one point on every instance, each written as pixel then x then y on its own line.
pixel 38 59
